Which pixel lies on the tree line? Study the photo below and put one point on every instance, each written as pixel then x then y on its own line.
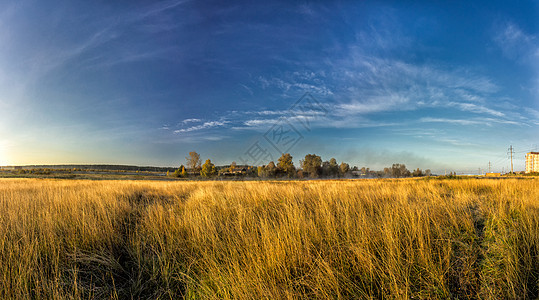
pixel 311 166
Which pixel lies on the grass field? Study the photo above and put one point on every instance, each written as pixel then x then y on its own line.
pixel 419 239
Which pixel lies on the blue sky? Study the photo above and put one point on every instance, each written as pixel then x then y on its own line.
pixel 440 85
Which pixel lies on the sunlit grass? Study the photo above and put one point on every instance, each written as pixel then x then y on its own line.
pixel 311 239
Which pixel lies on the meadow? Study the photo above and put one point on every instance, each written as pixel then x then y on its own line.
pixel 337 239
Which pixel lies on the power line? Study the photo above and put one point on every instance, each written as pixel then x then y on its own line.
pixel 511 152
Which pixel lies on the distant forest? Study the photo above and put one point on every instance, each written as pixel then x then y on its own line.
pixel 311 166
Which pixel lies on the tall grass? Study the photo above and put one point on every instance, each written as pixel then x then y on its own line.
pixel 314 239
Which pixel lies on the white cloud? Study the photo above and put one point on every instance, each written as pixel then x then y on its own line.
pixel 501 121
pixel 268 112
pixel 476 108
pixel 155 9
pixel 368 85
pixel 533 112
pixel 516 44
pixel 206 125
pixel 374 104
pixel 297 83
pixel 451 121
pixel 474 121
pixel 467 96
pixel 191 121
pixel 258 122
pixel 367 82
pixel 368 72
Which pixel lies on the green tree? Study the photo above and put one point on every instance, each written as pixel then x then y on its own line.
pixel 208 169
pixel 344 168
pixel 330 168
pixel 333 167
pixel 399 170
pixel 271 169
pixel 417 173
pixel 286 165
pixel 312 165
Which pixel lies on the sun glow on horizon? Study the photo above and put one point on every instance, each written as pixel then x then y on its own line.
pixel 4 157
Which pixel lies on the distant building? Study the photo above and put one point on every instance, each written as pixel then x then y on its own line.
pixel 532 162
pixel 235 172
pixel 11 168
pixel 493 174
pixel 357 173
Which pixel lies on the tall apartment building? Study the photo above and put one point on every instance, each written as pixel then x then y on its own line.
pixel 532 162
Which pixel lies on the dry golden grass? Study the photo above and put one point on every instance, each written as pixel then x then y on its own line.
pixel 312 239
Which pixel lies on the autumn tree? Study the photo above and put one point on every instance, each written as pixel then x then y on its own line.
pixel 178 172
pixel 232 167
pixel 286 165
pixel 261 171
pixel 312 165
pixel 208 169
pixel 193 161
pixel 184 172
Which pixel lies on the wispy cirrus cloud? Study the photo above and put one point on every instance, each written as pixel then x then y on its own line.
pixel 155 9
pixel 450 121
pixel 374 104
pixel 380 86
pixel 260 122
pixel 367 84
pixel 473 121
pixel 471 107
pixel 370 82
pixel 523 48
pixel 295 86
pixel 386 73
pixel 101 30
pixel 533 112
pixel 191 120
pixel 205 125
pixel 517 44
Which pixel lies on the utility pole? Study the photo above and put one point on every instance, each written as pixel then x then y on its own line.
pixel 489 166
pixel 479 171
pixel 510 151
